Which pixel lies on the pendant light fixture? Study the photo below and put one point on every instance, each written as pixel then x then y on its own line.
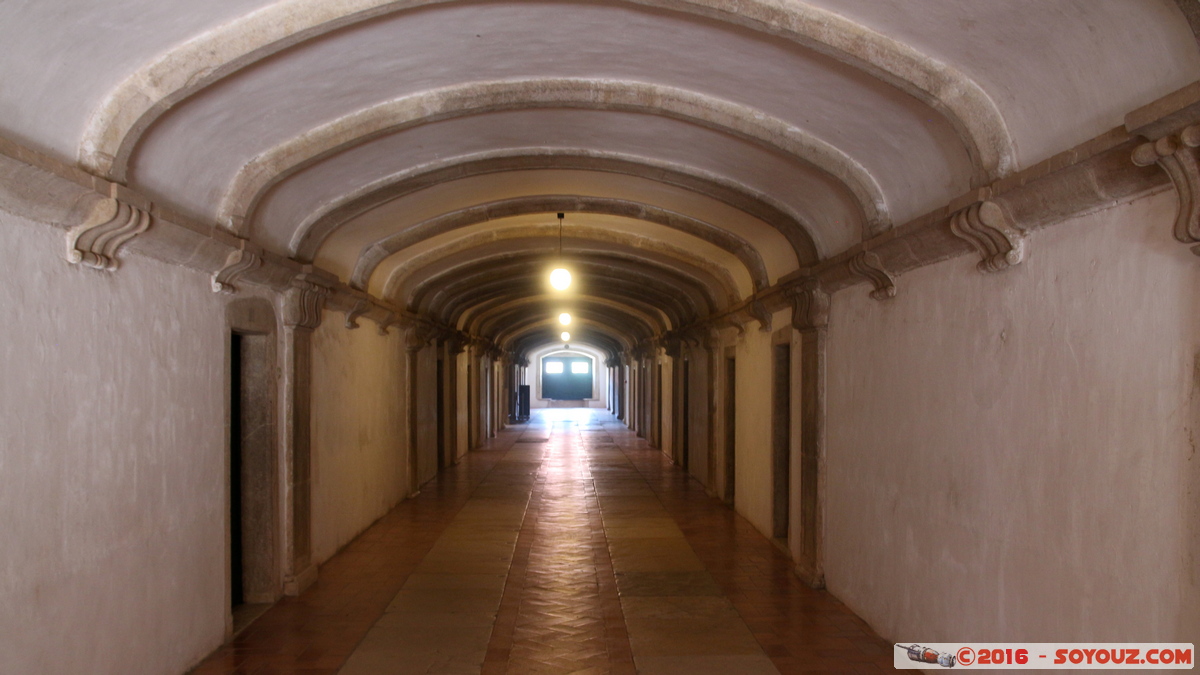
pixel 560 278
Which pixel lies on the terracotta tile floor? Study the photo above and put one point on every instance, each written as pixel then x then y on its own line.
pixel 563 546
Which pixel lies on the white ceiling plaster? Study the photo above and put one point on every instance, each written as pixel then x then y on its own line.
pixel 579 224
pixel 1057 72
pixel 400 214
pixel 817 200
pixel 60 58
pixel 914 153
pixel 1061 71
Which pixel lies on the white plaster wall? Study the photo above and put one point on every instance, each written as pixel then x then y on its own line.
pixel 1011 456
pixel 359 437
pixel 752 475
pixel 112 463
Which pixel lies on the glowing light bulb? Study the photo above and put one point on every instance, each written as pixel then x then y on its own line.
pixel 564 319
pixel 560 279
pixel 566 336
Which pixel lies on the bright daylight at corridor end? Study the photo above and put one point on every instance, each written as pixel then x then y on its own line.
pixel 594 336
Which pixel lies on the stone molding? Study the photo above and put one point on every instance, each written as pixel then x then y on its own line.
pixel 390 319
pixel 360 308
pixel 95 242
pixel 810 306
pixel 303 304
pixel 868 265
pixel 239 261
pixel 257 177
pixel 419 336
pixel 1177 155
pixel 990 230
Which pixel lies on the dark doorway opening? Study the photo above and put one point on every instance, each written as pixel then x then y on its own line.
pixel 781 429
pixel 237 589
pixel 810 420
pixel 684 418
pixel 567 378
pixel 253 573
pixel 658 395
pixel 441 414
pixel 730 427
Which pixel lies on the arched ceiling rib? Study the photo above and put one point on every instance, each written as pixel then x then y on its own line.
pixel 376 253
pixel 485 313
pixel 323 221
pixel 682 298
pixel 616 323
pixel 710 281
pixel 116 126
pixel 465 99
pixel 703 149
pixel 820 203
pixel 543 331
pixel 540 338
pixel 669 309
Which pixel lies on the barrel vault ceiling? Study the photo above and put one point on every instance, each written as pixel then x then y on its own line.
pixel 700 149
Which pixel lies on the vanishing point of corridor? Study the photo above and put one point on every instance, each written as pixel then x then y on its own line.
pixel 567 545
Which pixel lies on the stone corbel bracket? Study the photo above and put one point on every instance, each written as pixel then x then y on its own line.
pixel 303 303
pixel 1177 155
pixel 419 335
pixel 457 343
pixel 389 320
pixel 96 240
pixel 730 321
pixel 358 310
pixel 810 306
pixel 759 312
pixel 869 266
pixel 672 345
pixel 990 230
pixel 240 260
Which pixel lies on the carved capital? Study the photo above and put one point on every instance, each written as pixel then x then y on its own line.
pixel 302 304
pixel 810 306
pixel 95 241
pixel 869 266
pixel 237 263
pixel 1177 155
pixel 988 227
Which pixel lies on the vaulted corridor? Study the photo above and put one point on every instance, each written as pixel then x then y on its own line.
pixel 565 335
pixel 564 545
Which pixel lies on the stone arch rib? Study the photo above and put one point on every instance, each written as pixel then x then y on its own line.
pixel 461 100
pixel 376 253
pixel 116 127
pixel 315 229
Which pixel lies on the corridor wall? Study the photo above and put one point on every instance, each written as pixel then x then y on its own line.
pixel 1011 456
pixel 112 462
pixel 359 431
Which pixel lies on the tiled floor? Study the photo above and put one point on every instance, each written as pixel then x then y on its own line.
pixel 564 546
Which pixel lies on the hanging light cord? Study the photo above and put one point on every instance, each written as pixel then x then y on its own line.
pixel 560 235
